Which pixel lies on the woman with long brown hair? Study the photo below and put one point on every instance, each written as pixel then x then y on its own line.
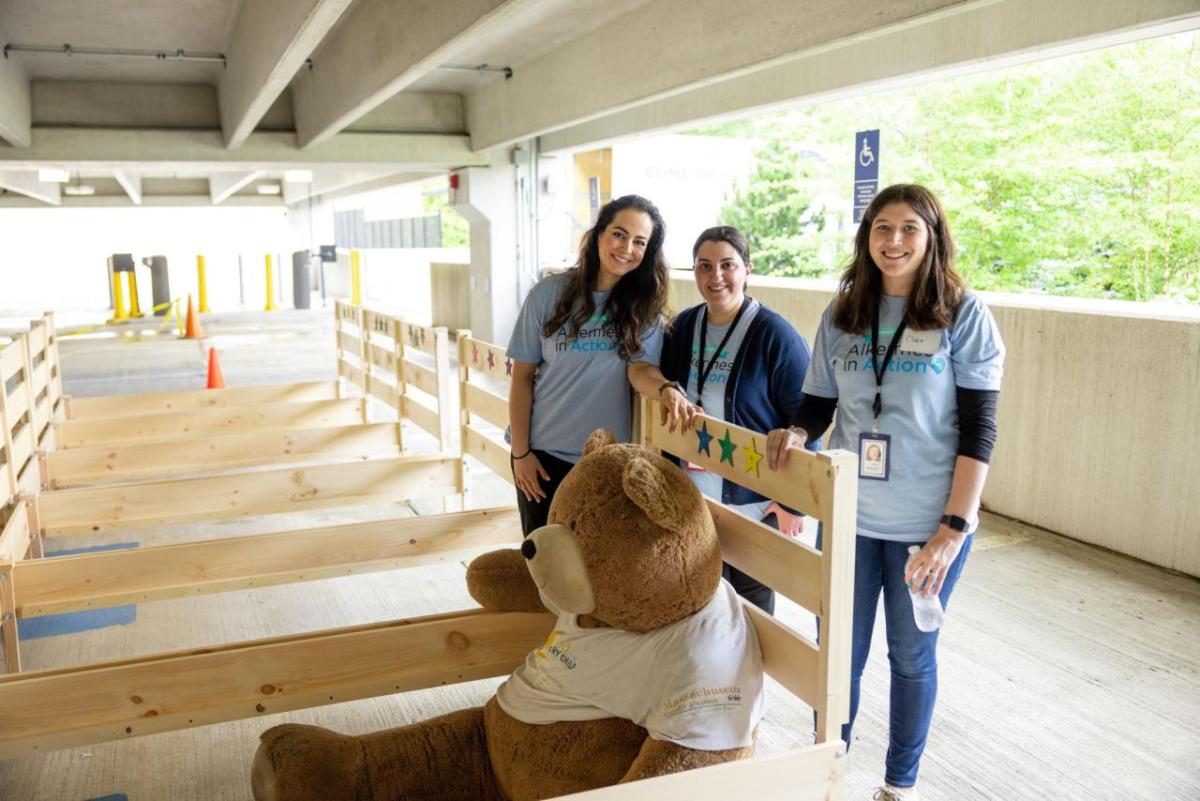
pixel 912 361
pixel 582 338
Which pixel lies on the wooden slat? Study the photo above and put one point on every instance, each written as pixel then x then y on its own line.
pixel 206 422
pixel 44 710
pixel 487 358
pixel 420 337
pixel 421 415
pixel 378 323
pixel 349 372
pixel 783 564
pixel 384 390
pixel 134 506
pixel 811 773
pixel 22 446
pixel 788 656
pixel 494 455
pixel 14 539
pixel 382 357
pixel 486 404
pixel 346 313
pixel 792 486
pixel 41 416
pixel 11 359
pixel 37 338
pixel 18 403
pixel 41 378
pixel 419 376
pixel 180 457
pixel 90 581
pixel 838 487
pixel 126 405
pixel 349 343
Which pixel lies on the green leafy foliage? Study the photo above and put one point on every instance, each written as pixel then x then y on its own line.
pixel 1074 176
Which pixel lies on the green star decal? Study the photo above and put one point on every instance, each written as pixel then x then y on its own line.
pixel 728 446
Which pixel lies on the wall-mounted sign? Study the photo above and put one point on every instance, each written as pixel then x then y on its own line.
pixel 866 170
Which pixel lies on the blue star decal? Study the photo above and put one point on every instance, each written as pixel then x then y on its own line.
pixel 705 438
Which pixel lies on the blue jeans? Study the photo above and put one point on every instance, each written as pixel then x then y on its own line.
pixel 912 653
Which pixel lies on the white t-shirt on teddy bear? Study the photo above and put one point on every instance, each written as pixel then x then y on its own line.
pixel 696 682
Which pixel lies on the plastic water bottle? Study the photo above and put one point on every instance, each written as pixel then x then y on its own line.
pixel 927 611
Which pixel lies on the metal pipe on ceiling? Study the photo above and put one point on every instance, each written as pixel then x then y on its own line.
pixel 507 71
pixel 160 55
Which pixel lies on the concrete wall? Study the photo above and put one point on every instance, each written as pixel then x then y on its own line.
pixel 397 281
pixel 1099 416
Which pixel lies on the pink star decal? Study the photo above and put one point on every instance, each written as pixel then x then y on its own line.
pixel 474 354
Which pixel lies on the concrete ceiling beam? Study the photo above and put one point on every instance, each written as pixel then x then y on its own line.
pixel 141 148
pixel 271 41
pixel 380 48
pixel 331 185
pixel 973 38
pixel 702 42
pixel 26 183
pixel 224 185
pixel 132 184
pixel 16 106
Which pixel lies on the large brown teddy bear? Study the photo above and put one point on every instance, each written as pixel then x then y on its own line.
pixel 653 666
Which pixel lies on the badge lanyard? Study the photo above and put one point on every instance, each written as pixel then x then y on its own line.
pixel 880 369
pixel 704 372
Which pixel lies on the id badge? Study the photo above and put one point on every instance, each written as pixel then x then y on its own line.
pixel 923 343
pixel 874 456
pixel 694 468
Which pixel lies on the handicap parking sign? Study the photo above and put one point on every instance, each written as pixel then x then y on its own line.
pixel 866 170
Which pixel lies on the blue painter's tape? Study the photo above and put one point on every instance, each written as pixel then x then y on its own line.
pixel 75 622
pixel 113 797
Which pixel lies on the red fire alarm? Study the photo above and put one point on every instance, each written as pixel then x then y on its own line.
pixel 454 180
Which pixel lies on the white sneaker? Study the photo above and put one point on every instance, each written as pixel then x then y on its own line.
pixel 889 793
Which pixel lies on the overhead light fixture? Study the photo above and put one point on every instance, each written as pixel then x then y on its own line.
pixel 269 189
pixel 297 176
pixel 53 175
pixel 79 189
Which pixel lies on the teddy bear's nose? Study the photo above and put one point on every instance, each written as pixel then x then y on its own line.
pixel 528 549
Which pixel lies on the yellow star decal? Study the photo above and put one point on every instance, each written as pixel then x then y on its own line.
pixel 753 457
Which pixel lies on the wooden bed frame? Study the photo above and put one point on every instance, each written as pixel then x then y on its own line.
pixel 59 708
pixel 31 587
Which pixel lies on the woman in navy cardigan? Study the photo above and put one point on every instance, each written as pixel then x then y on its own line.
pixel 739 361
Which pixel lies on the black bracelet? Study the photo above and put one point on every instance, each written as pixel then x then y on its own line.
pixel 523 455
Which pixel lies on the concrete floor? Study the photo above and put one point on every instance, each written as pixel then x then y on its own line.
pixel 1066 672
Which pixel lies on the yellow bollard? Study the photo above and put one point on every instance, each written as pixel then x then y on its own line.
pixel 270 286
pixel 355 278
pixel 200 278
pixel 119 312
pixel 135 310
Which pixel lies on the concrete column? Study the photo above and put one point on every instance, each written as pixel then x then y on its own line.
pixel 487 198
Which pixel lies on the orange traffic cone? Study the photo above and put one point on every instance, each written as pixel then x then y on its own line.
pixel 215 379
pixel 193 330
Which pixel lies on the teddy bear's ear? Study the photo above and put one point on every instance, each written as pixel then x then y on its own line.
pixel 597 440
pixel 651 489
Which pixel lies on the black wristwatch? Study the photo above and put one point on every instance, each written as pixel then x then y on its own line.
pixel 956 523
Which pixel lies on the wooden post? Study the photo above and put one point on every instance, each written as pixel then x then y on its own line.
pixel 441 364
pixel 464 416
pixel 8 619
pixel 401 388
pixel 839 490
pixel 36 549
pixel 364 361
pixel 10 469
pixel 52 353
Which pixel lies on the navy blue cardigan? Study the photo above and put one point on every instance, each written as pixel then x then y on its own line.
pixel 765 386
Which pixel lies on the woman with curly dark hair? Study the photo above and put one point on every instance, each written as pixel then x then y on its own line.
pixel 582 338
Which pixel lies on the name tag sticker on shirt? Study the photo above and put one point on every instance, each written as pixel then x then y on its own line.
pixel 694 468
pixel 924 343
pixel 874 456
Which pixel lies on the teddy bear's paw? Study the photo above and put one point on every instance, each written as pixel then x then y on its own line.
pixel 306 763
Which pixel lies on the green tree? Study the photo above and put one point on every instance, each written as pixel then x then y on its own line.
pixel 781 221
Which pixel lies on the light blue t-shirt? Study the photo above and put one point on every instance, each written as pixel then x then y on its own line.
pixel 713 398
pixel 581 383
pixel 920 410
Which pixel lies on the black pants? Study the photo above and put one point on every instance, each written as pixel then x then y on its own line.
pixel 534 513
pixel 746 586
